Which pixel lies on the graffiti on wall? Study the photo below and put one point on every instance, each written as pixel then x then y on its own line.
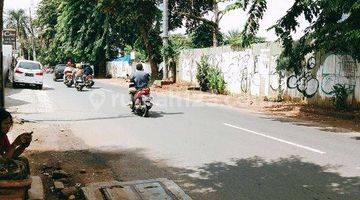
pixel 243 71
pixel 337 70
pixel 305 82
pixel 253 71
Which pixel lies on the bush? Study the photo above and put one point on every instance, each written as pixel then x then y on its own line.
pixel 202 74
pixel 216 80
pixel 340 97
pixel 210 77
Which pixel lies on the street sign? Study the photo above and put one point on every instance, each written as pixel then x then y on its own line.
pixel 9 37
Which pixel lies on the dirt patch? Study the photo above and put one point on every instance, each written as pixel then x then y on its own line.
pixel 298 112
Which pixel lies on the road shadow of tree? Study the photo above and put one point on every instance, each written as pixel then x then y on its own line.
pixel 160 114
pixel 11 102
pixel 251 178
pixel 286 178
pixel 324 119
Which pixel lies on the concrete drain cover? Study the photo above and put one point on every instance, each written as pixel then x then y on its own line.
pixel 158 189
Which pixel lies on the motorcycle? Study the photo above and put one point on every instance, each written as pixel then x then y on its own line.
pixel 89 81
pixel 79 83
pixel 141 101
pixel 68 76
pixel 69 80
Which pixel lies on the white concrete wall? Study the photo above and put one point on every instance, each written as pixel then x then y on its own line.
pixel 248 71
pixel 253 71
pixel 336 69
pixel 7 58
pixel 119 69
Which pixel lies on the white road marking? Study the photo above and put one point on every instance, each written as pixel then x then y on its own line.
pixel 358 168
pixel 276 139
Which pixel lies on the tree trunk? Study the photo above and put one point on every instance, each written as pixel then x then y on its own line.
pixel 2 92
pixel 149 50
pixel 216 25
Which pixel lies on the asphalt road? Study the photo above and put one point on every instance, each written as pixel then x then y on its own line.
pixel 227 153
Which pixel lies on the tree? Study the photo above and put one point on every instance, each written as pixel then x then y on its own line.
pixel 17 19
pixel 235 39
pixel 47 14
pixel 335 27
pixel 94 30
pixel 144 17
pixel 195 13
pixel 202 36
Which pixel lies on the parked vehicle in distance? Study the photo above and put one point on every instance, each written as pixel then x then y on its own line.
pixel 28 72
pixel 59 71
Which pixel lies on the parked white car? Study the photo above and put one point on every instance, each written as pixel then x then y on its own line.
pixel 28 72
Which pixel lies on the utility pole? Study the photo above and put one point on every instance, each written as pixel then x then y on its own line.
pixel 165 37
pixel 2 88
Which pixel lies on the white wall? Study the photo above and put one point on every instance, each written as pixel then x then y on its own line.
pixel 119 69
pixel 7 58
pixel 253 71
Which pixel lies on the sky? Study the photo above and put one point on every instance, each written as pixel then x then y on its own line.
pixel 234 20
pixel 17 4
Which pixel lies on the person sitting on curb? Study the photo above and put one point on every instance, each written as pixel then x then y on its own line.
pixel 12 166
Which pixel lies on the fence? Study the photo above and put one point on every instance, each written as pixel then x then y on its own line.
pixel 120 69
pixel 253 71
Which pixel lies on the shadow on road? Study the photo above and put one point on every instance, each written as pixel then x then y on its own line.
pixel 67 119
pixel 356 138
pixel 156 114
pixel 95 88
pixel 252 178
pixel 11 102
pixel 287 178
pixel 335 127
pixel 328 120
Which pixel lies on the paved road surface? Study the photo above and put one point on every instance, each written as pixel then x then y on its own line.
pixel 229 153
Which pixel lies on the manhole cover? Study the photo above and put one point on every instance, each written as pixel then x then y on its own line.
pixel 158 189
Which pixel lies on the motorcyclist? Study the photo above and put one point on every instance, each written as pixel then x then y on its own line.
pixel 69 69
pixel 88 75
pixel 79 70
pixel 88 70
pixel 140 80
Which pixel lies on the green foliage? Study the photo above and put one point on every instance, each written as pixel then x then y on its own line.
pixel 257 8
pixel 235 39
pixel 210 77
pixel 341 94
pixel 216 80
pixel 178 43
pixel 202 37
pixel 94 30
pixel 335 27
pixel 202 74
pixel 18 20
pixel 189 11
